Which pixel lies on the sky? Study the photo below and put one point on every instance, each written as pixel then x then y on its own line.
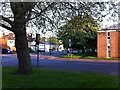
pixel 105 23
pixel 59 0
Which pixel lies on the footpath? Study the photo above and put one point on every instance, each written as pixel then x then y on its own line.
pixel 73 59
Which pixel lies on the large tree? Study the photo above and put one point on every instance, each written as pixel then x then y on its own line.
pixel 43 15
pixel 21 12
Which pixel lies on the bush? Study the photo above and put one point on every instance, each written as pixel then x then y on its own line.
pixel 30 50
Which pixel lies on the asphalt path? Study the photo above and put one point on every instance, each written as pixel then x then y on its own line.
pixel 53 63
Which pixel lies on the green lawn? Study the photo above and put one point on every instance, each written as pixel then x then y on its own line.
pixel 43 78
pixel 87 56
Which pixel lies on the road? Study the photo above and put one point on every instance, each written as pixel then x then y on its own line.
pixel 66 65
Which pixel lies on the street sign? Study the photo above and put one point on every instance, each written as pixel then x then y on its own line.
pixel 37 39
pixel 69 42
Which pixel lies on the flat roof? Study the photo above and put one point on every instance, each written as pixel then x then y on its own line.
pixel 115 27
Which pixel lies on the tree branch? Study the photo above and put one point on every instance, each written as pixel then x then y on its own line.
pixel 6 27
pixel 42 11
pixel 6 20
pixel 29 11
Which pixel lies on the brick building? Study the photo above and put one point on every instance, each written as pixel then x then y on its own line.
pixel 108 42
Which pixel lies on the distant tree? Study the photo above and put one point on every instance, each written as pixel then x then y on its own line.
pixel 42 39
pixel 53 40
pixel 82 30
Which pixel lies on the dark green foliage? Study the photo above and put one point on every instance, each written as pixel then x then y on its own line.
pixel 30 50
pixel 82 30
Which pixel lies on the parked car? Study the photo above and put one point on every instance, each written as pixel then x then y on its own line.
pixel 6 51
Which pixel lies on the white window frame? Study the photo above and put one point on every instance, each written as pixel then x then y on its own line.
pixel 108 44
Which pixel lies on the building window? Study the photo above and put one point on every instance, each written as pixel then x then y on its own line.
pixel 108 37
pixel 108 48
pixel 108 51
pixel 108 54
pixel 11 42
pixel 108 34
pixel 108 41
pixel 108 44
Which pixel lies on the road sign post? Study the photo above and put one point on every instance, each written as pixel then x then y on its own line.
pixel 70 43
pixel 37 55
pixel 37 45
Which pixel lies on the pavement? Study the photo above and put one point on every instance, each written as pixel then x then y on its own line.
pixel 57 57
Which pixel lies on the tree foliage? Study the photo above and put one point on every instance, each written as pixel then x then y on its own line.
pixel 52 39
pixel 82 30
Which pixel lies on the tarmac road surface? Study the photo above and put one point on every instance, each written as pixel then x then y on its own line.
pixel 55 63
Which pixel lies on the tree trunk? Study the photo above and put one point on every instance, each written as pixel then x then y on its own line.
pixel 21 43
pixel 23 53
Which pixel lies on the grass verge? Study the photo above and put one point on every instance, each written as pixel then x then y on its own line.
pixel 43 78
pixel 86 56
